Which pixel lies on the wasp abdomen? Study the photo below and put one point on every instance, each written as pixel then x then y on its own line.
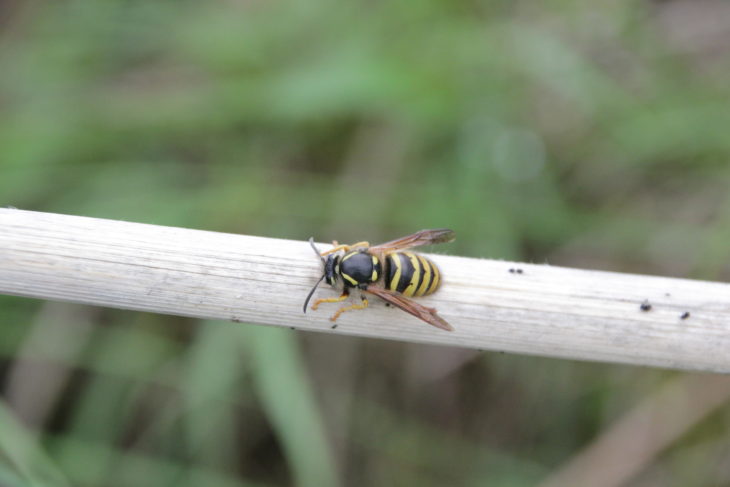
pixel 411 274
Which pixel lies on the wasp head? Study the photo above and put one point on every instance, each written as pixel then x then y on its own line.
pixel 330 269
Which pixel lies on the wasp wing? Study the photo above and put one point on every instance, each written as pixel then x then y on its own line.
pixel 428 315
pixel 424 237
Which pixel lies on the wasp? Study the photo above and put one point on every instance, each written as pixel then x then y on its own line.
pixel 386 271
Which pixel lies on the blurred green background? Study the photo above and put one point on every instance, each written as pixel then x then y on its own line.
pixel 584 134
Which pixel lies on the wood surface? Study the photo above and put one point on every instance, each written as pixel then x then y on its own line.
pixel 493 305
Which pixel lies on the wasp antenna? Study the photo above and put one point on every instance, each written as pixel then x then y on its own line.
pixel 309 296
pixel 311 242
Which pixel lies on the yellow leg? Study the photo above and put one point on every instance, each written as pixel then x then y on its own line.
pixel 342 297
pixel 362 305
pixel 346 248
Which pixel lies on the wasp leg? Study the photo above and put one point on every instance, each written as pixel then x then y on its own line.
pixel 346 248
pixel 342 297
pixel 362 305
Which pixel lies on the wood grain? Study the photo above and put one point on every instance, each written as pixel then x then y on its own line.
pixel 544 310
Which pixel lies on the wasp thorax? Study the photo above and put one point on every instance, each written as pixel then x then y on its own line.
pixel 359 268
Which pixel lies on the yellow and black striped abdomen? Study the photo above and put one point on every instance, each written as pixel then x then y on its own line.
pixel 411 274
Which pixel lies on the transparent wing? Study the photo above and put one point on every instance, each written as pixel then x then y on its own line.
pixel 428 315
pixel 424 237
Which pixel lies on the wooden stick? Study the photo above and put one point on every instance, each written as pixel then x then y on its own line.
pixel 493 305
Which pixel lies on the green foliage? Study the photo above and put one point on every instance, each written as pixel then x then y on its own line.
pixel 574 133
pixel 23 462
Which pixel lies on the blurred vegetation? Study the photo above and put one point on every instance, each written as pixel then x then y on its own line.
pixel 582 134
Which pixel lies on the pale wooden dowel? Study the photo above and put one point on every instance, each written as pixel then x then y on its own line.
pixel 533 309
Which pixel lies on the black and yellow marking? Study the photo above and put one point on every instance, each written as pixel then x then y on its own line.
pixel 359 268
pixel 411 274
pixel 347 277
pixel 387 270
pixel 426 270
